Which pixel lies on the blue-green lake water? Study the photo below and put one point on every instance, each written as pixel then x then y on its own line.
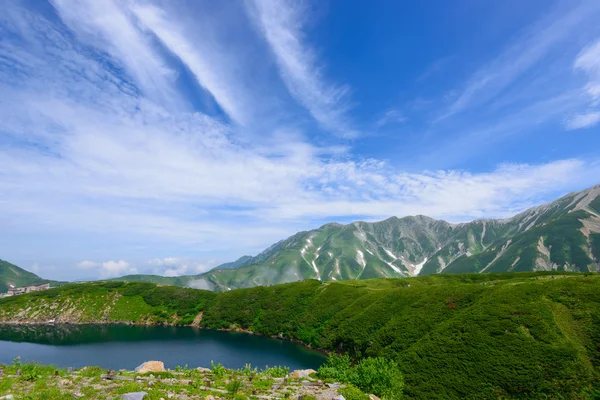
pixel 121 346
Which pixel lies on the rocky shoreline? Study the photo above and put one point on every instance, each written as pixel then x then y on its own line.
pixel 152 381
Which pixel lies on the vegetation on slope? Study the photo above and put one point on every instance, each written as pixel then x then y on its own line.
pixel 143 303
pixel 454 336
pixel 10 274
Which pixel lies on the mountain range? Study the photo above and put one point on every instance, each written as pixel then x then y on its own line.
pixel 563 235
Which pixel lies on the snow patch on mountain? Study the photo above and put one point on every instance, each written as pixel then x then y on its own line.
pixel 360 258
pixel 419 266
pixel 389 253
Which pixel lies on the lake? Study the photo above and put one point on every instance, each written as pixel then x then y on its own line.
pixel 122 346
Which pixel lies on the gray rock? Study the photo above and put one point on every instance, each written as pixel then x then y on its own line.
pixel 302 373
pixel 335 385
pixel 133 396
pixel 7 397
pixel 339 397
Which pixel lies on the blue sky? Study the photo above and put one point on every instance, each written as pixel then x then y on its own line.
pixel 170 136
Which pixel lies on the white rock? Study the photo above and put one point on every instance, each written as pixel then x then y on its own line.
pixel 134 396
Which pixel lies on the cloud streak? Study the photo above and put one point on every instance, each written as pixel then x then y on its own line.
pixel 281 23
pixel 531 47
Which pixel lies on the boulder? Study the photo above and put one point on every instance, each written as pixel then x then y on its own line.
pixel 150 366
pixel 373 397
pixel 339 397
pixel 133 396
pixel 302 373
pixel 202 369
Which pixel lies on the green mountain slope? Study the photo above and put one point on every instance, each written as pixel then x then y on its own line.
pixel 563 235
pixel 476 336
pixel 10 274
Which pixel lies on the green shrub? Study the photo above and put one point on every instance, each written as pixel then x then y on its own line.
pixel 379 376
pixel 351 392
pixel 337 368
pixel 372 375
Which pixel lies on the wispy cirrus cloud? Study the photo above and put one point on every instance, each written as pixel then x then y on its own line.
pixel 583 121
pixel 529 49
pixel 109 26
pixel 282 24
pixel 390 117
pixel 202 58
pixel 588 62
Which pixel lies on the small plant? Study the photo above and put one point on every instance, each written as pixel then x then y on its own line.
pixel 234 387
pixel 248 370
pixel 181 369
pixel 277 372
pixel 218 370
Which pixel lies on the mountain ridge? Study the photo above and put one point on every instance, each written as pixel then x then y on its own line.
pixel 11 274
pixel 567 237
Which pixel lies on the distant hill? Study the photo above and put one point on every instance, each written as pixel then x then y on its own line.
pixel 240 262
pixel 10 274
pixel 563 235
pixel 161 280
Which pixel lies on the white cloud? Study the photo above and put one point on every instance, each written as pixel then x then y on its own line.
pixel 281 23
pixel 108 269
pixel 390 117
pixel 205 63
pixel 583 121
pixel 109 26
pixel 588 61
pixel 173 266
pixel 88 264
pixel 162 262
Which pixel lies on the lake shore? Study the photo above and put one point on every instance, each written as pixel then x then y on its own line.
pixel 49 382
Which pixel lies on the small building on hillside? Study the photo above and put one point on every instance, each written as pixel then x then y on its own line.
pixel 14 291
